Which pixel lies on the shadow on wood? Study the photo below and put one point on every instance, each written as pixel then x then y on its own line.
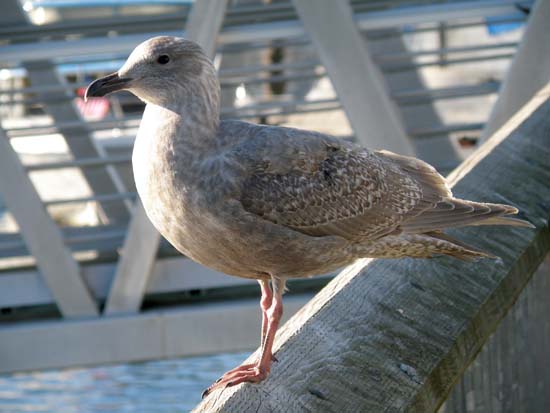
pixel 396 335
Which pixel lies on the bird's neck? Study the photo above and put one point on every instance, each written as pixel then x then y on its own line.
pixel 192 120
pixel 169 143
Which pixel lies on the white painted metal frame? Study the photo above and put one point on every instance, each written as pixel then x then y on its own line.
pixel 529 71
pixel 360 87
pixel 27 288
pixel 43 238
pixel 102 180
pixel 264 31
pixel 204 23
pixel 142 240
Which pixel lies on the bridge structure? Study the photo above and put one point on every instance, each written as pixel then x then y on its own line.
pixel 108 288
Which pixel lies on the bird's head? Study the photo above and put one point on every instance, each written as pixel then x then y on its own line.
pixel 161 70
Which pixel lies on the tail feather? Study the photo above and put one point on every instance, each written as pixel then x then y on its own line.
pixel 513 222
pixel 453 212
pixel 463 251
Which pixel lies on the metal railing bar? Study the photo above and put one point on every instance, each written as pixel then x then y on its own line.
pixel 93 198
pixel 446 50
pixel 438 62
pixel 80 163
pixel 421 96
pixel 444 130
pixel 92 125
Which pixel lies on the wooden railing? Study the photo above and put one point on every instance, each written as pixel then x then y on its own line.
pixel 392 336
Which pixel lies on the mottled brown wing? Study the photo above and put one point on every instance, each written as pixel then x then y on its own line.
pixel 352 193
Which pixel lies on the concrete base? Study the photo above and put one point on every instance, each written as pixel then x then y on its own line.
pixel 194 330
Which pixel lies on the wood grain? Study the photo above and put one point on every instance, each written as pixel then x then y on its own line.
pixel 397 335
pixel 512 378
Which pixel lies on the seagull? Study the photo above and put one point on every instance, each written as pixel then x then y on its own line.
pixel 272 203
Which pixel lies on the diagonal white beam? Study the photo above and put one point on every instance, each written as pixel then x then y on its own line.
pixel 359 85
pixel 441 151
pixel 204 23
pixel 141 244
pixel 529 71
pixel 42 236
pixel 135 264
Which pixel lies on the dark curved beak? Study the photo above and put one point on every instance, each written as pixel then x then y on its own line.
pixel 105 85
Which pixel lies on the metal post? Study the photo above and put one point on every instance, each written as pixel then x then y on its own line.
pixel 529 71
pixel 356 79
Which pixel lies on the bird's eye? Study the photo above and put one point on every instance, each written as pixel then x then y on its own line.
pixel 163 59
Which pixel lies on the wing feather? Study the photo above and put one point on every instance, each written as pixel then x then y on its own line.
pixel 346 190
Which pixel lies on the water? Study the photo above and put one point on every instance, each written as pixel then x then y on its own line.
pixel 152 387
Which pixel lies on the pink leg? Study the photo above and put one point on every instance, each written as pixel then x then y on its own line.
pixel 265 303
pixel 270 322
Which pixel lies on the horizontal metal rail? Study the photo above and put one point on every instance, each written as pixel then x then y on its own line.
pixel 23 132
pixel 80 163
pixel 421 96
pixel 299 41
pixel 100 238
pixel 389 57
pixel 93 198
pixel 447 61
pixel 444 130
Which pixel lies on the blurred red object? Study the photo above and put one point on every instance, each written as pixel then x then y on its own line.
pixel 94 108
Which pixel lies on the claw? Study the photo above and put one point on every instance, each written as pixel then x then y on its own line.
pixel 237 376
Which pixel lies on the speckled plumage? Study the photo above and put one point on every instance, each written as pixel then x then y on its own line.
pixel 261 201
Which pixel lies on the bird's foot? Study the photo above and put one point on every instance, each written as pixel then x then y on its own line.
pixel 244 367
pixel 252 373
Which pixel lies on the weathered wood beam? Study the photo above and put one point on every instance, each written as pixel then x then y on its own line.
pixel 512 371
pixel 529 71
pixel 141 243
pixel 42 236
pixel 359 85
pixel 396 335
